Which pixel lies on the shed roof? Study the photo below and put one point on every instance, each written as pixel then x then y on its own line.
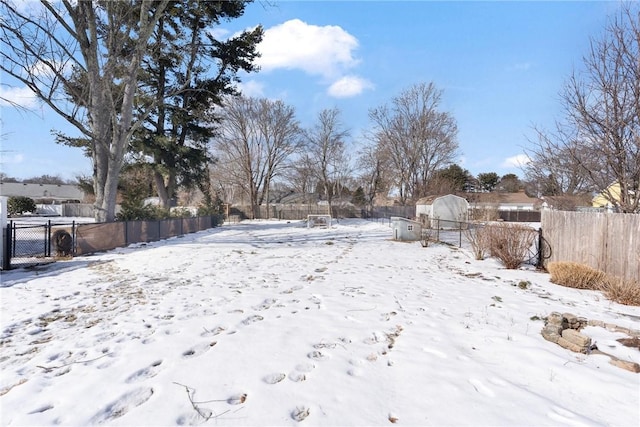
pixel 428 200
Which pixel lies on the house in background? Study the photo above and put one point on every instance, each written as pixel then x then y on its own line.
pixel 500 201
pixel 43 193
pixel 51 199
pixel 614 194
pixel 568 202
pixel 514 207
pixel 442 212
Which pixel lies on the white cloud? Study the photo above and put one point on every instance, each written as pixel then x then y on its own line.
pixel 326 51
pixel 348 86
pixel 251 88
pixel 219 33
pixel 21 96
pixel 13 159
pixel 50 68
pixel 516 161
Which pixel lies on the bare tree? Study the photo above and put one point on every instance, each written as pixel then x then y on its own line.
pixel 301 176
pixel 257 139
pixel 553 167
pixel 325 143
pixel 373 175
pixel 415 138
pixel 602 109
pixel 45 47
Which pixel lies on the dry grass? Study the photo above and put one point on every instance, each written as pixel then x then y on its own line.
pixel 580 276
pixel 622 291
pixel 574 275
pixel 510 243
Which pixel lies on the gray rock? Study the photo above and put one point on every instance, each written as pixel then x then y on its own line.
pixel 571 346
pixel 576 338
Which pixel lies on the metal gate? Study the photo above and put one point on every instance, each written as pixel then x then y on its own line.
pixel 30 244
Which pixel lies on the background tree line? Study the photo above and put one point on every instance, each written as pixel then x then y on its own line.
pixel 153 93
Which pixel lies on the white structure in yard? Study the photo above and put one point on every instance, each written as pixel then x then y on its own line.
pixel 405 229
pixel 442 212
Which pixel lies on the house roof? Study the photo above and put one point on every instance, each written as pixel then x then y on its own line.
pixel 493 198
pixel 41 191
pixel 520 198
pixel 568 201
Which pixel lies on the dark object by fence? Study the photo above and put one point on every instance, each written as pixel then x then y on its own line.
pixel 63 242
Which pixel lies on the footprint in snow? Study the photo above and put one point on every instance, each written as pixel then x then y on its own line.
pixel 292 290
pixel 213 332
pixel 388 316
pixel 297 377
pixel 198 350
pixel 252 319
pixel 300 413
pixel 237 399
pixel 317 355
pixel 315 299
pixel 266 304
pixel 301 371
pixel 274 378
pixel 144 373
pixel 122 405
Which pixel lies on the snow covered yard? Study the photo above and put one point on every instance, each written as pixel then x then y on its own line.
pixel 270 323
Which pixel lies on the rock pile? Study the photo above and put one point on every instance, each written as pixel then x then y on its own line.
pixel 564 330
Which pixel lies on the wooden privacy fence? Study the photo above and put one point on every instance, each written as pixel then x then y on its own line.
pixel 609 242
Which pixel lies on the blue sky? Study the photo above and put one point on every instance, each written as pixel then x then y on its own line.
pixel 500 65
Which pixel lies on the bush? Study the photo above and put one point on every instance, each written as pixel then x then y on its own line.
pixel 180 212
pixel 17 205
pixel 478 237
pixel 580 276
pixel 574 275
pixel 510 243
pixel 622 291
pixel 140 212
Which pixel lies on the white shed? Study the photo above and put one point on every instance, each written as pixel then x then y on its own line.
pixel 405 229
pixel 443 212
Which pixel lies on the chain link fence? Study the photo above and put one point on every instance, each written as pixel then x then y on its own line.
pixel 34 244
pixel 465 234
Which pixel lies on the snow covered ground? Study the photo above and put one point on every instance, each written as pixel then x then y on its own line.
pixel 270 323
